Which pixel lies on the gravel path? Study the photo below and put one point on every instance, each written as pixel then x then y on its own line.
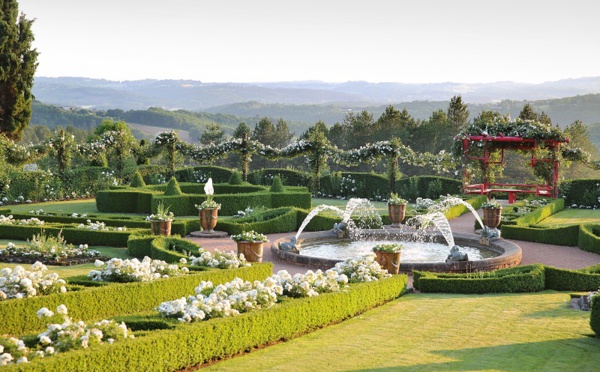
pixel 547 254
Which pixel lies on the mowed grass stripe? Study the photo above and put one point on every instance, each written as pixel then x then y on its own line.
pixel 437 332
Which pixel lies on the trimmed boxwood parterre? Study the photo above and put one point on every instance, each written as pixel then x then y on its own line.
pixel 231 197
pixel 170 249
pixel 19 315
pixel 191 344
pixel 528 278
pixel 70 232
pixel 589 238
pixel 595 315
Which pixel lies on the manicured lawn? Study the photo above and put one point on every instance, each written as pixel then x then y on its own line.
pixel 572 217
pixel 73 206
pixel 381 207
pixel 438 332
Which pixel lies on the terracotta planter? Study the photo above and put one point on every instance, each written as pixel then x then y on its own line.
pixel 397 213
pixel 491 217
pixel 253 251
pixel 389 261
pixel 161 227
pixel 208 219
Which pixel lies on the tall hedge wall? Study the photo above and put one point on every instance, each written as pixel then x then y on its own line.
pixel 595 315
pixel 289 177
pixel 580 192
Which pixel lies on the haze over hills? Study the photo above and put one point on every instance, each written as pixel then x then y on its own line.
pixel 196 95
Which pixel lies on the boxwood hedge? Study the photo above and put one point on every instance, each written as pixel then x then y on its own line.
pixel 595 315
pixel 188 345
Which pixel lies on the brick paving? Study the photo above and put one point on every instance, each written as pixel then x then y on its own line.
pixel 547 254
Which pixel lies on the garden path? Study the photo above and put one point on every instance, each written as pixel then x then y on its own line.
pixel 547 254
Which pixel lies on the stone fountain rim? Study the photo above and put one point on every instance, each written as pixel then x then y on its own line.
pixel 510 254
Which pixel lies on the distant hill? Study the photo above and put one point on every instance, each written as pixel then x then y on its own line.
pixel 196 95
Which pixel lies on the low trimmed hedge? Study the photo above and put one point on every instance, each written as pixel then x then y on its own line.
pixel 589 238
pixel 192 344
pixel 460 209
pixel 587 279
pixel 71 234
pixel 514 280
pixel 19 315
pixel 272 221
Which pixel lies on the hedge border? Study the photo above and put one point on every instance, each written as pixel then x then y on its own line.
pixel 192 344
pixel 19 315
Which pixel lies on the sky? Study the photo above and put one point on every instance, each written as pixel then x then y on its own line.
pixel 416 41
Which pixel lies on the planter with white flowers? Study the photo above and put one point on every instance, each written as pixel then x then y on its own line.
pixel 160 222
pixel 250 244
pixel 208 211
pixel 388 256
pixel 396 209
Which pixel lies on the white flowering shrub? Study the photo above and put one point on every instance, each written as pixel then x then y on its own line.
pixel 48 247
pixel 4 220
pixel 99 226
pixel 20 283
pixel 229 299
pixel 62 337
pixel 311 283
pixel 361 269
pixel 134 270
pixel 218 259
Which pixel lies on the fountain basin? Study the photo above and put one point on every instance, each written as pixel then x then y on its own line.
pixel 509 254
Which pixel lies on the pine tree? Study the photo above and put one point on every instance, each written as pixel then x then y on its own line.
pixel 458 115
pixel 18 62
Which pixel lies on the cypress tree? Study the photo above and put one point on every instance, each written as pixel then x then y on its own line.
pixel 18 62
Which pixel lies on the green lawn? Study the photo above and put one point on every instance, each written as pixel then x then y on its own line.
pixel 381 207
pixel 437 332
pixel 572 217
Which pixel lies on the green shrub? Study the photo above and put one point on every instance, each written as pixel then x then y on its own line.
pixel 201 174
pixel 194 344
pixel 595 315
pixel 589 238
pixel 173 187
pixel 413 187
pixel 289 177
pixel 514 280
pixel 137 180
pixel 580 192
pixel 277 186
pixel 236 178
pixel 150 172
pixel 272 221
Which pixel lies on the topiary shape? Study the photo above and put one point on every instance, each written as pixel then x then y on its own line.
pixel 173 187
pixel 235 179
pixel 137 180
pixel 277 185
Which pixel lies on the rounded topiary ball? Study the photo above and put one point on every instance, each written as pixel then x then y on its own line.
pixel 277 185
pixel 137 180
pixel 235 179
pixel 173 187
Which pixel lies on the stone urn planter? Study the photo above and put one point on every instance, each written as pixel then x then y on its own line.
pixel 252 251
pixel 396 213
pixel 161 227
pixel 492 214
pixel 250 244
pixel 388 257
pixel 208 219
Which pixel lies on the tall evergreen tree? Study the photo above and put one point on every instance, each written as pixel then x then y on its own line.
pixel 212 134
pixel 18 62
pixel 282 135
pixel 242 129
pixel 580 137
pixel 458 115
pixel 527 113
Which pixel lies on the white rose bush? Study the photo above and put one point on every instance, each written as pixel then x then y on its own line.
pixel 20 283
pixel 134 270
pixel 220 260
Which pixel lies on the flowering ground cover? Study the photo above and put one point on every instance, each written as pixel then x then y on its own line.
pixel 440 332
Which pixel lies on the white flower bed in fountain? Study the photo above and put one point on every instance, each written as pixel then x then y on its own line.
pixel 134 270
pixel 59 338
pixel 20 283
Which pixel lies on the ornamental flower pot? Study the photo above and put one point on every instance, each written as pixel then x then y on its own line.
pixel 208 219
pixel 161 227
pixel 252 251
pixel 397 213
pixel 492 217
pixel 389 261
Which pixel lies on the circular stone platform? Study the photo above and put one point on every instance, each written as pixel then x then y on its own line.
pixel 214 234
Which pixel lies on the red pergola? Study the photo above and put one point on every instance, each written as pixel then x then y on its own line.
pixel 491 143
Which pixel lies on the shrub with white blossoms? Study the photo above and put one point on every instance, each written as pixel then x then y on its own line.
pixel 229 299
pixel 20 283
pixel 134 270
pixel 361 269
pixel 311 283
pixel 218 259
pixel 62 337
pixel 100 226
pixel 24 222
pixel 48 247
